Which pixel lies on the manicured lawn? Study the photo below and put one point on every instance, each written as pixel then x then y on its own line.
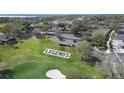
pixel 28 60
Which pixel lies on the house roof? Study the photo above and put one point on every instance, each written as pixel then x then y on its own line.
pixel 119 37
pixel 2 36
pixel 70 37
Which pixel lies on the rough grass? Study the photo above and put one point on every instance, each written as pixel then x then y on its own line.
pixel 28 60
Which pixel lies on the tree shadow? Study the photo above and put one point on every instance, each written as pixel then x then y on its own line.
pixel 7 74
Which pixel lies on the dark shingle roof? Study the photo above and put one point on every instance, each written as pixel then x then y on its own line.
pixel 120 37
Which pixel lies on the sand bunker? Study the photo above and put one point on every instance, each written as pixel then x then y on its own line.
pixel 55 74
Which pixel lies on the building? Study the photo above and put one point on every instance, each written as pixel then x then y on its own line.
pixel 118 42
pixel 7 40
pixel 120 34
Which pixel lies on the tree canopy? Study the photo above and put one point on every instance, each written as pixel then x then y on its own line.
pixel 84 50
pixel 98 37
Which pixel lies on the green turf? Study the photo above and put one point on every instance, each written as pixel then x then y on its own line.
pixel 28 61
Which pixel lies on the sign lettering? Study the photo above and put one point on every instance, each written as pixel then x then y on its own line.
pixel 58 53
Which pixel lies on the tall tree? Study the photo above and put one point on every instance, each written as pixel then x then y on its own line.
pixel 84 50
pixel 98 38
pixel 76 26
pixel 7 29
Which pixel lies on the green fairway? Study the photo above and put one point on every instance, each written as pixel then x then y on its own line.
pixel 28 61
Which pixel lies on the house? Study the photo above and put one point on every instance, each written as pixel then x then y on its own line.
pixel 71 37
pixel 68 43
pixel 70 40
pixel 81 18
pixel 8 40
pixel 40 35
pixel 38 25
pixel 62 25
pixel 51 32
pixel 121 26
pixel 120 31
pixel 2 36
pixel 120 34
pixel 29 28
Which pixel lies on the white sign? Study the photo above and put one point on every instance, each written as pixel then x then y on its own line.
pixel 58 53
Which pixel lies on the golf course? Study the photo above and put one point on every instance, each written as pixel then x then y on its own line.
pixel 27 61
